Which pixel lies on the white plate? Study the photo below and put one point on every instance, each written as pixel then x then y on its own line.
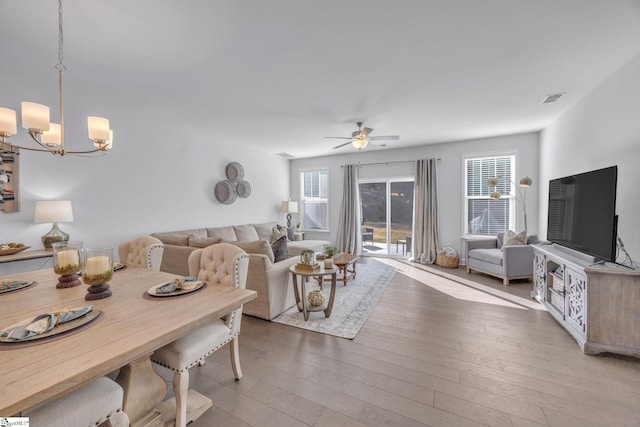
pixel 152 290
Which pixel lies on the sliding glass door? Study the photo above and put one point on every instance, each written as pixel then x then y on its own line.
pixel 387 216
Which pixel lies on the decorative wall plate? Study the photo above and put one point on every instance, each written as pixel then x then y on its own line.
pixel 225 192
pixel 234 171
pixel 243 189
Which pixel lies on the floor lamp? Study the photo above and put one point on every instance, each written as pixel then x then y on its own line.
pixel 524 183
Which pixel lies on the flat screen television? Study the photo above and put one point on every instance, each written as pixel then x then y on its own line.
pixel 582 212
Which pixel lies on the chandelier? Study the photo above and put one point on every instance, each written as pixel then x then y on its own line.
pixel 50 136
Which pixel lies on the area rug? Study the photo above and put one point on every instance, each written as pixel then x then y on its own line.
pixel 352 305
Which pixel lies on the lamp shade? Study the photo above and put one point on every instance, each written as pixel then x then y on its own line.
pixel 289 207
pixel 35 116
pixel 7 121
pixel 48 211
pixel 526 182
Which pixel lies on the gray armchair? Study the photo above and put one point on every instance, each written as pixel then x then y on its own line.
pixel 506 262
pixel 367 234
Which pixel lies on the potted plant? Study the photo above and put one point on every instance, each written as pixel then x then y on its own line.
pixel 307 257
pixel 330 250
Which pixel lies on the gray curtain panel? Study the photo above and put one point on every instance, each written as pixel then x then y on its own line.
pixel 426 212
pixel 349 225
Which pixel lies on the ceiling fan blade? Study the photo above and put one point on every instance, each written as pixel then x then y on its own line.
pixel 366 131
pixel 388 137
pixel 342 145
pixel 338 137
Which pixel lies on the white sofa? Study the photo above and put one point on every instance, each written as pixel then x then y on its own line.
pixel 269 277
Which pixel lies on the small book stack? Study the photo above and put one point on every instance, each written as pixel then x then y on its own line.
pixel 308 267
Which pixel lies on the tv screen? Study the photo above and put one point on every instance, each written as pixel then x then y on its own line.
pixel 582 212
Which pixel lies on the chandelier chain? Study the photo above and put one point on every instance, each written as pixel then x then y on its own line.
pixel 60 66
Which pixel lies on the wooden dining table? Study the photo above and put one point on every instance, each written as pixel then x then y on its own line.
pixel 131 325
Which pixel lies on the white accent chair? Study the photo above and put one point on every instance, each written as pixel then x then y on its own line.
pixel 145 252
pixel 224 264
pixel 90 405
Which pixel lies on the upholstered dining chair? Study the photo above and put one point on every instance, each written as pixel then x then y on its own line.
pixel 221 263
pixel 145 252
pixel 90 405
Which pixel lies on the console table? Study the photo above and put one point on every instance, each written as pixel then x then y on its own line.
pixel 25 261
pixel 599 305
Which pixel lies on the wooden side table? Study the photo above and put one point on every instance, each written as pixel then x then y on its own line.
pixel 301 302
pixel 343 261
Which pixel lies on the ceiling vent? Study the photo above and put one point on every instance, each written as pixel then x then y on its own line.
pixel 285 155
pixel 553 97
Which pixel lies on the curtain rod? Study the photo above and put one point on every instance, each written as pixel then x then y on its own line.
pixel 385 163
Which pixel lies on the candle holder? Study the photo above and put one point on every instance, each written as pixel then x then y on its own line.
pixel 98 270
pixel 68 263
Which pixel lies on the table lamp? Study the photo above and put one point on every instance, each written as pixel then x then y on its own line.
pixel 289 207
pixel 53 211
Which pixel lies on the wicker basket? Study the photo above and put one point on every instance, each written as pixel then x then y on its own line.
pixel 444 260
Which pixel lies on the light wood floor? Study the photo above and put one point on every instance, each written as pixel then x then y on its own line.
pixel 433 352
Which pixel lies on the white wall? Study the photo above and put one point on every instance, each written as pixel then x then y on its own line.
pixel 151 181
pixel 602 130
pixel 451 186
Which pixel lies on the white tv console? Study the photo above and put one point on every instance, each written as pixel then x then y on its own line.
pixel 599 305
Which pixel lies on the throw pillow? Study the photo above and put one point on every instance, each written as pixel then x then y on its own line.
pixel 511 238
pixel 277 233
pixel 260 247
pixel 203 243
pixel 279 248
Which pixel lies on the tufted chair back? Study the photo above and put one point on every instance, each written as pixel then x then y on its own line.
pixel 145 252
pixel 225 264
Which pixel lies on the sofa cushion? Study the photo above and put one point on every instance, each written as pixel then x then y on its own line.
pixel 246 233
pixel 173 238
pixel 261 247
pixel 227 233
pixel 492 256
pixel 198 242
pixel 511 238
pixel 265 230
pixel 279 248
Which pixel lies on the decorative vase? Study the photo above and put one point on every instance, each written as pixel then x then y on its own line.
pixel 315 298
pixel 98 270
pixel 67 263
pixel 328 262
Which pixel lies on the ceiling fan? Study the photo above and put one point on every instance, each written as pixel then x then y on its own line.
pixel 360 138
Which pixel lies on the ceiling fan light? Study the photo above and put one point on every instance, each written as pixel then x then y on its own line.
pixel 359 143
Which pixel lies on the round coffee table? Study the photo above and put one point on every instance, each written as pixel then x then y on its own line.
pixel 302 303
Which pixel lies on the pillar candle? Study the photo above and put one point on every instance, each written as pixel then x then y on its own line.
pixel 97 265
pixel 68 257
